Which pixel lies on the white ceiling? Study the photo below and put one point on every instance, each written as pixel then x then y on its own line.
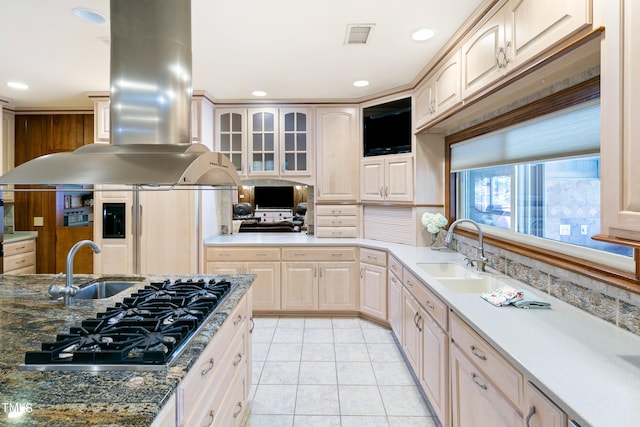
pixel 292 49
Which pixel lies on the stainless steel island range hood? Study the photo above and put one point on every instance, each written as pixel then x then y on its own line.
pixel 150 110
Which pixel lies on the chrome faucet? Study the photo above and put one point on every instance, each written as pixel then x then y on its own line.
pixel 480 260
pixel 69 290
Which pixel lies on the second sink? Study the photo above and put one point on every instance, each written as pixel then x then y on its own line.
pixel 103 289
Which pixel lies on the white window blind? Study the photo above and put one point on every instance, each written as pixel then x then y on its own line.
pixel 568 133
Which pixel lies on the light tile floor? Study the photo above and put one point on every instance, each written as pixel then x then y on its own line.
pixel 326 372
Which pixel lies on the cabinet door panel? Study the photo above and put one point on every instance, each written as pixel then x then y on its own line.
pixel 435 366
pixel 481 53
pixel 337 286
pixel 411 335
pixel 399 179
pixel 373 290
pixel 542 412
pixel 395 305
pixel 447 84
pixel 299 286
pixel 534 25
pixel 372 180
pixel 266 286
pixel 338 153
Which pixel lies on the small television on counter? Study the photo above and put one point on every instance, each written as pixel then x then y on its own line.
pixel 273 197
pixel 387 128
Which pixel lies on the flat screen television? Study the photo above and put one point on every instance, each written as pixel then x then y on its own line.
pixel 387 128
pixel 273 197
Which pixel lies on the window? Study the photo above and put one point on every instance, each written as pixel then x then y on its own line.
pixel 539 179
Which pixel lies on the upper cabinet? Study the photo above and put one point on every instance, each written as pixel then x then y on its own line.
pixel 387 178
pixel 514 34
pixel 440 91
pixel 338 153
pixel 101 117
pixel 7 141
pixel 619 148
pixel 266 142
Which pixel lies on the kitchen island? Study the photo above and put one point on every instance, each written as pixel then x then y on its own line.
pixel 28 317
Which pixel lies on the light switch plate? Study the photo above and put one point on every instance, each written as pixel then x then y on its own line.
pixel 565 229
pixel 38 221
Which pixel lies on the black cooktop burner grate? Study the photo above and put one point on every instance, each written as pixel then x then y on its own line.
pixel 149 327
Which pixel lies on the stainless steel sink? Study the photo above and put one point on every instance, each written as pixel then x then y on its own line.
pixel 103 289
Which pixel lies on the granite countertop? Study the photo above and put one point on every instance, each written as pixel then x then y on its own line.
pixel 589 367
pixel 16 236
pixel 107 398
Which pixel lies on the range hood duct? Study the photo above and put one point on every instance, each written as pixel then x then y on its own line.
pixel 150 110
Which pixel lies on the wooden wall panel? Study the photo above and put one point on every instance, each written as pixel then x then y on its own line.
pixel 37 135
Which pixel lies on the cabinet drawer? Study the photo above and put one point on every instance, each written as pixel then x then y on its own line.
pixel 319 254
pixel 19 247
pixel 432 304
pixel 505 376
pixel 207 398
pixel 19 261
pixel 26 270
pixel 337 221
pixel 372 256
pixel 336 210
pixel 243 254
pixel 395 266
pixel 212 361
pixel 336 232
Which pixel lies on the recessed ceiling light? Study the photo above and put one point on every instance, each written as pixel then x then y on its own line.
pixel 361 83
pixel 18 85
pixel 423 34
pixel 259 93
pixel 89 16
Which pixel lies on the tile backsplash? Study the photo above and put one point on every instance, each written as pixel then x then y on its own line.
pixel 612 304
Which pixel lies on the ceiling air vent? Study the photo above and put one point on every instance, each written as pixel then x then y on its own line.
pixel 358 34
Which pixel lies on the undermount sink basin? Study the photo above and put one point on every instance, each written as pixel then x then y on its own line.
pixel 460 279
pixel 440 270
pixel 103 289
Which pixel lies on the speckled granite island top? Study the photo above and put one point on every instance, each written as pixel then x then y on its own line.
pixel 109 398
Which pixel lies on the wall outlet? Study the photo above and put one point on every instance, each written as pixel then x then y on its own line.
pixel 584 230
pixel 38 221
pixel 565 229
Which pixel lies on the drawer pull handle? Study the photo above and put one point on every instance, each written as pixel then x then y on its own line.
pixel 225 254
pixel 337 254
pixel 532 412
pixel 253 325
pixel 372 257
pixel 299 254
pixel 22 261
pixel 409 283
pixel 429 305
pixel 420 319
pixel 477 353
pixel 212 415
pixel 238 410
pixel 336 222
pixel 261 254
pixel 237 321
pixel 238 359
pixel 393 279
pixel 474 377
pixel 206 370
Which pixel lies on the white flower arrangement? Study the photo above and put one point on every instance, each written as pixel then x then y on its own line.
pixel 434 223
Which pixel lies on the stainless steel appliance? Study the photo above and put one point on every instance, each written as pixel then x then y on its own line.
pixel 146 331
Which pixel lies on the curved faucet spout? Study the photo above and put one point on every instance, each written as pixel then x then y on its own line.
pixel 480 259
pixel 69 290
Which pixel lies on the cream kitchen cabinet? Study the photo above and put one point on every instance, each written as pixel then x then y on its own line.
pixel 7 144
pixel 101 113
pixel 541 411
pixel 319 279
pixel 484 386
pixel 215 389
pixel 440 91
pixel 20 257
pixel 373 283
pixel 619 149
pixel 266 142
pixel 263 262
pixel 516 33
pixel 394 297
pixel 387 178
pixel 411 331
pixel 338 151
pixel 336 220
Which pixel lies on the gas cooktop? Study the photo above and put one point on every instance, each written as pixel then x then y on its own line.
pixel 146 331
